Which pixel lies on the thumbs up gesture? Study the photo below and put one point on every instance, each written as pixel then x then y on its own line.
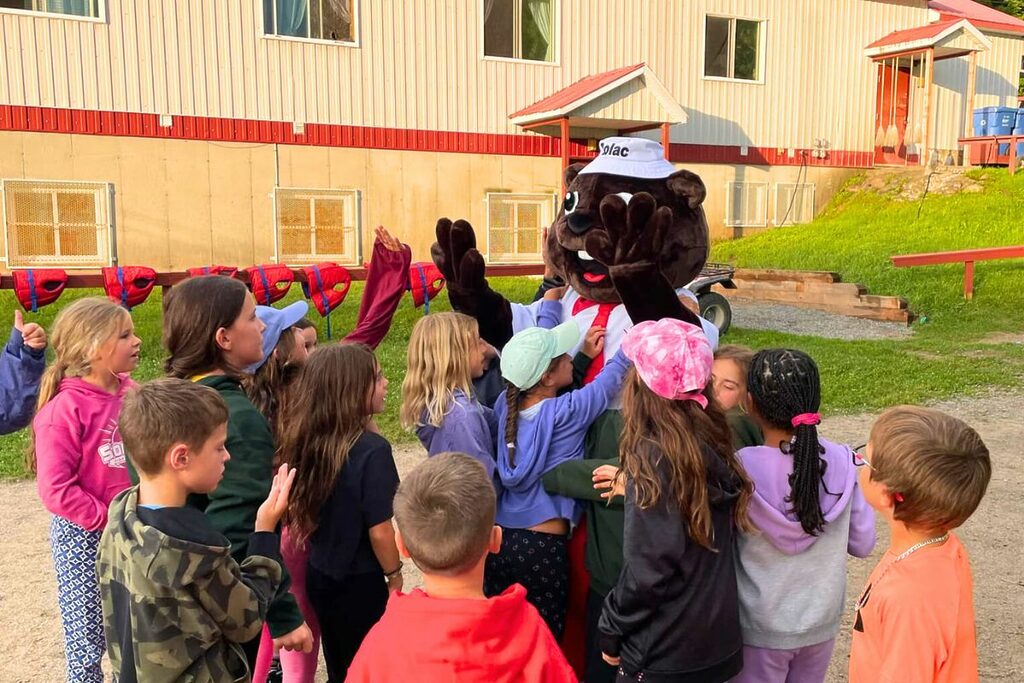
pixel 32 334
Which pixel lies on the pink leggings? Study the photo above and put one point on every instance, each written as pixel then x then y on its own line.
pixel 298 667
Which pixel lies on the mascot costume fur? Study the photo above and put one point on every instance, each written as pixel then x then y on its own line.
pixel 630 234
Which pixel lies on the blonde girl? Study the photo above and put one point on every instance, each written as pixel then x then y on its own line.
pixel 445 355
pixel 80 462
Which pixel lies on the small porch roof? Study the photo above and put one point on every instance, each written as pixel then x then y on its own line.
pixel 628 98
pixel 985 18
pixel 949 38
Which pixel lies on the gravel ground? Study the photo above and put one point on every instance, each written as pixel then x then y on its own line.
pixel 757 315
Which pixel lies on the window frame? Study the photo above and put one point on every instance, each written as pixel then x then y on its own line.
pixel 729 192
pixel 543 198
pixel 100 18
pixel 811 187
pixel 103 191
pixel 761 51
pixel 315 193
pixel 556 6
pixel 354 43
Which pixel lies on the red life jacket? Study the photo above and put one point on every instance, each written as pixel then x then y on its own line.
pixel 270 282
pixel 326 285
pixel 425 283
pixel 230 271
pixel 37 287
pixel 128 285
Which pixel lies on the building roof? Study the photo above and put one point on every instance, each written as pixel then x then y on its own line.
pixel 930 36
pixel 578 91
pixel 980 15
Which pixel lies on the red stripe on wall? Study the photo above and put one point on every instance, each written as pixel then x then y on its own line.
pixel 88 122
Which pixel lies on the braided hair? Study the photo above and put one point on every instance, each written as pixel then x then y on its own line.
pixel 513 397
pixel 784 383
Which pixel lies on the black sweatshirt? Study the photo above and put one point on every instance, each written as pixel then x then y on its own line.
pixel 674 613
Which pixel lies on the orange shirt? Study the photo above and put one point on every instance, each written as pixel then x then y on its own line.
pixel 916 620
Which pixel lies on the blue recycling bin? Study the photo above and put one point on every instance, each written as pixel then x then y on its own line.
pixel 1019 130
pixel 981 122
pixel 1002 121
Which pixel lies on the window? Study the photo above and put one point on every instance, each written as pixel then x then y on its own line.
pixel 75 8
pixel 53 222
pixel 794 203
pixel 316 19
pixel 520 29
pixel 746 204
pixel 515 226
pixel 318 225
pixel 732 48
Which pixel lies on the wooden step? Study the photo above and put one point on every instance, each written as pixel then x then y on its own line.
pixel 770 274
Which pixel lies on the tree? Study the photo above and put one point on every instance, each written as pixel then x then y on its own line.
pixel 1014 7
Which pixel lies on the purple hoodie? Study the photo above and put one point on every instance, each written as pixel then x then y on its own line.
pixel 468 427
pixel 21 368
pixel 792 584
pixel 79 455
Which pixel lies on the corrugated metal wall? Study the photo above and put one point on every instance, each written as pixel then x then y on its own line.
pixel 419 65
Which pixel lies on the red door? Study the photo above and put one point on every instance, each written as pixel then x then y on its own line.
pixel 891 110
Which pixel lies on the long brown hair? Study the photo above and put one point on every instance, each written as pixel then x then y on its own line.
pixel 268 387
pixel 658 429
pixel 193 312
pixel 327 411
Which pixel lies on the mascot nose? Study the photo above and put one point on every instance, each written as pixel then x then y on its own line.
pixel 579 223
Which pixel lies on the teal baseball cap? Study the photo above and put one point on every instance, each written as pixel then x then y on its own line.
pixel 527 355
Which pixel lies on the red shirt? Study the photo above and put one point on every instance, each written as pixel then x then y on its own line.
pixel 916 620
pixel 433 640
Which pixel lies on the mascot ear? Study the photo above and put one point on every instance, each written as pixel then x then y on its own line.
pixel 571 172
pixel 688 186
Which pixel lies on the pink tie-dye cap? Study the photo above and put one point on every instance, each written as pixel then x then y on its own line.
pixel 673 358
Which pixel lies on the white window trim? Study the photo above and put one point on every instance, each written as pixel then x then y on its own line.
pixel 729 202
pixel 553 197
pixel 354 43
pixel 761 49
pixel 357 260
pixel 111 241
pixel 101 6
pixel 556 7
pixel 780 211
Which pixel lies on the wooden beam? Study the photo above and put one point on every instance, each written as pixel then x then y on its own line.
pixel 564 128
pixel 666 138
pixel 972 71
pixel 928 109
pixel 637 129
pixel 538 124
pixel 963 255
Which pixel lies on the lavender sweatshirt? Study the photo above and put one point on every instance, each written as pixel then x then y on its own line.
pixel 468 427
pixel 791 584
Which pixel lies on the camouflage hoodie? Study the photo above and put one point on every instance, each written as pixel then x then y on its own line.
pixel 176 606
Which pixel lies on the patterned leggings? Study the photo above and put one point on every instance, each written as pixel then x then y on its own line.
pixel 78 594
pixel 538 561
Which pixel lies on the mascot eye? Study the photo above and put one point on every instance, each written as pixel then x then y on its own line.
pixel 571 200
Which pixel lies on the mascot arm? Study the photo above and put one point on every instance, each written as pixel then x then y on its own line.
pixel 456 256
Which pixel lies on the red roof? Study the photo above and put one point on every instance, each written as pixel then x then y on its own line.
pixel 912 34
pixel 979 15
pixel 576 91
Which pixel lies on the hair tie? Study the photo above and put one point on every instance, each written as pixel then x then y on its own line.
pixel 697 397
pixel 811 419
pixel 898 497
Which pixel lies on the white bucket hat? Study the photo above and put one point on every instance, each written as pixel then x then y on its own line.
pixel 630 157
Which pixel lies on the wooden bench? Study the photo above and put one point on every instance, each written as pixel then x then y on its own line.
pixel 982 151
pixel 967 256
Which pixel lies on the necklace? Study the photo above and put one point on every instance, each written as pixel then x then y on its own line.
pixel 902 556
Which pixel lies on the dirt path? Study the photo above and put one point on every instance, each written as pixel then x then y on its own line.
pixel 30 625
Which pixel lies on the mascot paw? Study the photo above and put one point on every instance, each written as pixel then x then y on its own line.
pixel 633 235
pixel 456 256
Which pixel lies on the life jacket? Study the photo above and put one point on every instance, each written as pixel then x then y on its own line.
pixel 37 287
pixel 326 285
pixel 128 285
pixel 230 271
pixel 425 283
pixel 270 282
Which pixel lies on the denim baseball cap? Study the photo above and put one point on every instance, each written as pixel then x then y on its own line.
pixel 527 355
pixel 277 320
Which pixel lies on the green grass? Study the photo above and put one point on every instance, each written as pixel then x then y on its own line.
pixel 949 355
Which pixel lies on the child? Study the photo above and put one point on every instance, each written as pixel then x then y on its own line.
pixel 284 352
pixel 21 367
pixel 341 504
pixel 212 334
pixel 729 383
pixel 809 513
pixel 176 604
pixel 307 331
pixel 537 430
pixel 80 461
pixel 925 472
pixel 445 355
pixel 448 630
pixel 673 614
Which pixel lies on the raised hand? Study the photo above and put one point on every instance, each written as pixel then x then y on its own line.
pixel 389 241
pixel 270 512
pixel 32 334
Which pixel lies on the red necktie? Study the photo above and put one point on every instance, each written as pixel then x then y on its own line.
pixel 603 312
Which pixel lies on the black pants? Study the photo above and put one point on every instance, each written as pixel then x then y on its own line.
pixel 597 670
pixel 538 561
pixel 347 610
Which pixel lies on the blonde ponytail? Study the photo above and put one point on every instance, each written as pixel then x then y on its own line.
pixel 78 333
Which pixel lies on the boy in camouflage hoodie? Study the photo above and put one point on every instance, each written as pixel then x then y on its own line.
pixel 176 606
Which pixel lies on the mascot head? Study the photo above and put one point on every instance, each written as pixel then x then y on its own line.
pixel 627 166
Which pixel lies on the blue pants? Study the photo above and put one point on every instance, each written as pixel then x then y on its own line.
pixel 78 594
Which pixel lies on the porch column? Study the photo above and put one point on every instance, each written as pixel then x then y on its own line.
pixel 930 107
pixel 666 129
pixel 972 68
pixel 564 131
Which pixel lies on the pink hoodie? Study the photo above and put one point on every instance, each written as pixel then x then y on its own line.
pixel 80 459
